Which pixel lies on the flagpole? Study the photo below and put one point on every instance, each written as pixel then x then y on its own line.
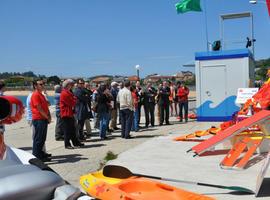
pixel 206 27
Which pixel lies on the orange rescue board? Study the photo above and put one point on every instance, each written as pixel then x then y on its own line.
pixel 231 131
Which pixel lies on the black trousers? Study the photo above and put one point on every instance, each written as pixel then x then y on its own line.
pixel 69 131
pixel 139 112
pixel 80 128
pixel 39 139
pixel 164 108
pixel 149 110
pixel 126 122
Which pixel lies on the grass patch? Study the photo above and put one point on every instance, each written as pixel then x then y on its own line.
pixel 109 156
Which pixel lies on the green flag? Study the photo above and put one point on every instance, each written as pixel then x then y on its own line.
pixel 188 5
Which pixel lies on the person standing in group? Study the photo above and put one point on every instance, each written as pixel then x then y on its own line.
pixel 59 135
pixel 103 110
pixel 120 87
pixel 135 125
pixel 157 99
pixel 114 92
pixel 140 99
pixel 87 121
pixel 171 97
pixel 176 99
pixel 149 104
pixel 29 111
pixel 164 103
pixel 126 109
pixel 67 107
pixel 82 108
pixel 183 93
pixel 41 117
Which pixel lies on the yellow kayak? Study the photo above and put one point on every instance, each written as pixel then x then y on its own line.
pixel 134 188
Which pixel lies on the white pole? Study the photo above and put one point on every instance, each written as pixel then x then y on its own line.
pixel 206 27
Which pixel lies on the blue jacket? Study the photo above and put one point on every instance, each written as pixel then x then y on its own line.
pixel 57 104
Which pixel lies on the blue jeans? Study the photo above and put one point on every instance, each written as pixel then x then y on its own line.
pixel 135 125
pixel 126 122
pixel 39 139
pixel 103 124
pixel 183 105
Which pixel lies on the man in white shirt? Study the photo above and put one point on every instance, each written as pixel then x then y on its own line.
pixel 126 109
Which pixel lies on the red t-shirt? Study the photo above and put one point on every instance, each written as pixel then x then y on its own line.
pixel 38 99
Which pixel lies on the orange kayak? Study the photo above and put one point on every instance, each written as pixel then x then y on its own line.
pixel 134 188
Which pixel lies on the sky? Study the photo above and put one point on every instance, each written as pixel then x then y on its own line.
pixel 84 38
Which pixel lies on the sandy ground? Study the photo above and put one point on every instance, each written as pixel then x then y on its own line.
pixel 71 164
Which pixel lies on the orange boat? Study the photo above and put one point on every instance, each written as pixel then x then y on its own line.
pixel 134 188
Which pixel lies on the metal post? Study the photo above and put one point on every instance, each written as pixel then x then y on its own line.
pixel 206 27
pixel 252 35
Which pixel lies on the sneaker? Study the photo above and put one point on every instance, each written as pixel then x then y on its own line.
pixel 116 128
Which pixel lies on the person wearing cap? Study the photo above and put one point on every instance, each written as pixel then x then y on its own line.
pixel 67 107
pixel 114 92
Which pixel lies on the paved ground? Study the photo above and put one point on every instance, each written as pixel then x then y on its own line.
pixel 152 151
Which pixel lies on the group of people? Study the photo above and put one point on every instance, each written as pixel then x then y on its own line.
pixel 76 103
pixel 38 117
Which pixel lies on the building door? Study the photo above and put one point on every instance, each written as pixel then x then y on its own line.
pixel 213 91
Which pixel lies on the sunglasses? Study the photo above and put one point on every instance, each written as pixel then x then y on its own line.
pixel 40 84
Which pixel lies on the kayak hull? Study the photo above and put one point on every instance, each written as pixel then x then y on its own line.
pixel 134 188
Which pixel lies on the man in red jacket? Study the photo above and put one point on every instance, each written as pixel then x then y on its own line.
pixel 182 94
pixel 67 107
pixel 41 117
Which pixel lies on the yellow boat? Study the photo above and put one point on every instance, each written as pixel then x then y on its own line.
pixel 134 188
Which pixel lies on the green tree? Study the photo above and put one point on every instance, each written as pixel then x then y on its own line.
pixel 54 80
pixel 262 66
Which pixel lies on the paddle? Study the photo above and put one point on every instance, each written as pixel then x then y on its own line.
pixel 116 171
